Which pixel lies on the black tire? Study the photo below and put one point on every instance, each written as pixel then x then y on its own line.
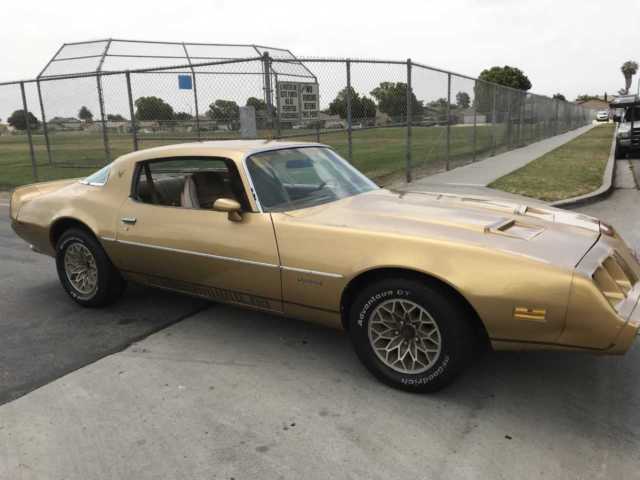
pixel 620 152
pixel 456 334
pixel 109 285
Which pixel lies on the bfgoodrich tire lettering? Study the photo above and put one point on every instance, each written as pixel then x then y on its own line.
pixel 429 333
pixel 98 283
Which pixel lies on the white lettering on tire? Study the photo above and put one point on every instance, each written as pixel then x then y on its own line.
pixel 370 302
pixel 429 378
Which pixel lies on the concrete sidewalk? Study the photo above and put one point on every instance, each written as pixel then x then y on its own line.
pixel 482 173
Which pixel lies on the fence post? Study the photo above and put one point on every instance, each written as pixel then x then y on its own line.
pixel 134 125
pixel 195 104
pixel 534 122
pixel 105 136
pixel 25 109
pixel 349 117
pixel 195 89
pixel 493 120
pixel 509 129
pixel 523 111
pixel 409 119
pixel 278 128
pixel 475 129
pixel 45 130
pixel 267 87
pixel 448 146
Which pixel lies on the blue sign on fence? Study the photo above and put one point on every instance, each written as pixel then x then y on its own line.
pixel 185 82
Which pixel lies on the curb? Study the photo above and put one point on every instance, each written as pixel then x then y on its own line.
pixel 602 192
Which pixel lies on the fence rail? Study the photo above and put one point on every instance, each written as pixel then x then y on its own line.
pixel 391 119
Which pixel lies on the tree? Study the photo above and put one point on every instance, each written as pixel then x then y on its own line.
pixel 85 114
pixel 225 111
pixel 116 117
pixel 361 106
pixel 153 108
pixel 485 90
pixel 559 96
pixel 586 98
pixel 392 99
pixel 18 120
pixel 628 69
pixel 183 116
pixel 256 103
pixel 508 76
pixel 463 100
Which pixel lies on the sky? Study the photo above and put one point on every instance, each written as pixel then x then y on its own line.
pixel 568 46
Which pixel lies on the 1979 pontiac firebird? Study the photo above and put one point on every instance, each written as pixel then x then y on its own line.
pixel 293 229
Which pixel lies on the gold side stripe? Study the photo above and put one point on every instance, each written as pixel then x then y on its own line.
pixel 312 272
pixel 533 314
pixel 229 259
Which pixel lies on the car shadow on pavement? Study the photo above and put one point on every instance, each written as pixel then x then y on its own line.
pixel 44 334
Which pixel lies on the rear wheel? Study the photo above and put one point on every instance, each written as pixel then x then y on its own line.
pixel 411 335
pixel 85 271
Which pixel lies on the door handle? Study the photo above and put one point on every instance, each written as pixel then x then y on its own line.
pixel 129 220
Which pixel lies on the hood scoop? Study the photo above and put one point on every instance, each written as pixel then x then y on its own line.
pixel 514 229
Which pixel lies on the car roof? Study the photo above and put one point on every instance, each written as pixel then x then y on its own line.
pixel 234 149
pixel 625 101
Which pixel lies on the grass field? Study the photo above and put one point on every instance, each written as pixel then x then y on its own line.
pixel 378 152
pixel 573 169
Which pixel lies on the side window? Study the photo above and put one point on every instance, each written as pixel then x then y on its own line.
pixel 188 182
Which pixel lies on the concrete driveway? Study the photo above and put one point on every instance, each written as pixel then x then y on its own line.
pixel 229 394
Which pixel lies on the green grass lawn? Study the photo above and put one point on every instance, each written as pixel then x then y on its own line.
pixel 378 152
pixel 573 169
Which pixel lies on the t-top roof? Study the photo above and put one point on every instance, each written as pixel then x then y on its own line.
pixel 115 55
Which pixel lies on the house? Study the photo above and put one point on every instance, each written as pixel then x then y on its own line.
pixel 596 103
pixel 64 124
pixel 467 117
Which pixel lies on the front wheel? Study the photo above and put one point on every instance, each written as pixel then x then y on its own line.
pixel 85 271
pixel 411 335
pixel 620 152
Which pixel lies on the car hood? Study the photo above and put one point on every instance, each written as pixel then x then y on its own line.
pixel 534 230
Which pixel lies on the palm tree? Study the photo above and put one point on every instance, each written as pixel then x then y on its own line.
pixel 629 69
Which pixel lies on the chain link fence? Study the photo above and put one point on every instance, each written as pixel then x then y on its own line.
pixel 394 120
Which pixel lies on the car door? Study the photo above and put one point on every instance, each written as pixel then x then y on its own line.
pixel 196 249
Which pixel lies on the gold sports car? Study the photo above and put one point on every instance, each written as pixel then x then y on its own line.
pixel 416 279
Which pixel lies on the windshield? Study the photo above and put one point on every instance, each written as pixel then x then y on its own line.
pixel 294 178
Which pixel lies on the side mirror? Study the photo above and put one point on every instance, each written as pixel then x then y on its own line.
pixel 230 206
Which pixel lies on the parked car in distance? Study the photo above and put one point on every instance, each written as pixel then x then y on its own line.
pixel 602 116
pixel 416 279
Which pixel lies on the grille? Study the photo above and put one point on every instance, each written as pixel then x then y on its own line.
pixel 615 279
pixel 635 136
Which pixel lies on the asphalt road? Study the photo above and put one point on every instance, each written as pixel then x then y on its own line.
pixel 44 334
pixel 230 394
